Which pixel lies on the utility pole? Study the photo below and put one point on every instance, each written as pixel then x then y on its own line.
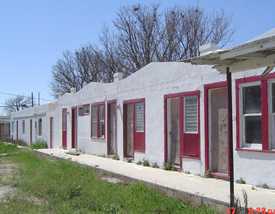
pixel 32 98
pixel 38 98
pixel 230 136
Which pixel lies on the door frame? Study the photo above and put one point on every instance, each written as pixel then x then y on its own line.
pixel 207 88
pixel 17 135
pixel 74 127
pixel 64 129
pixel 30 131
pixel 110 102
pixel 181 95
pixel 51 132
pixel 125 103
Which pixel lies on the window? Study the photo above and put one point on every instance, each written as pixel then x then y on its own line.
pixel 139 122
pixel 84 110
pixel 101 110
pixel 23 126
pixel 94 121
pixel 256 117
pixel 251 115
pixel 40 126
pixel 191 114
pixel 98 121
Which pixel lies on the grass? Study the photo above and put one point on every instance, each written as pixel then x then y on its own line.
pixel 59 186
pixel 39 144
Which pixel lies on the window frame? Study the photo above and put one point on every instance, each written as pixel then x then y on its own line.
pixel 143 104
pixel 184 150
pixel 271 114
pixel 197 116
pixel 265 109
pixel 82 108
pixel 244 115
pixel 97 121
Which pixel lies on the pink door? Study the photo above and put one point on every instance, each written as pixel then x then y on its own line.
pixel 64 128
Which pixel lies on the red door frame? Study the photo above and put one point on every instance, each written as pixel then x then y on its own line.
pixel 109 103
pixel 135 134
pixel 64 128
pixel 181 95
pixel 207 88
pixel 74 127
pixel 30 131
pixel 51 132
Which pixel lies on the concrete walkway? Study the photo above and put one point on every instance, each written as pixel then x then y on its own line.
pixel 214 189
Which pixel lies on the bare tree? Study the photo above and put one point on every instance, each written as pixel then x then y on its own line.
pixel 17 103
pixel 65 75
pixel 140 35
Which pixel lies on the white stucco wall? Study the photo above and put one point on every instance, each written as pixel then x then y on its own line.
pixel 151 83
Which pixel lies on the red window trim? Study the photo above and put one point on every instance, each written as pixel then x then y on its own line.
pixel 134 101
pixel 264 110
pixel 98 105
pixel 181 126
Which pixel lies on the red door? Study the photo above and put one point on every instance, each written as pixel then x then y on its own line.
pixel 64 128
pixel 74 127
pixel 190 124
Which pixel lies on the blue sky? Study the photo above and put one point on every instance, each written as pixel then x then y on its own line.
pixel 33 34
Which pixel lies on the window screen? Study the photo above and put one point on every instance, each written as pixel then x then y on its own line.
pixel 84 110
pixel 252 114
pixel 252 99
pixel 253 130
pixel 101 121
pixel 139 108
pixel 191 114
pixel 94 121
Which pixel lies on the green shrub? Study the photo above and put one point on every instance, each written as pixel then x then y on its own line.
pixel 169 167
pixel 139 163
pixel 265 186
pixel 240 181
pixel 21 142
pixel 130 160
pixel 39 144
pixel 155 165
pixel 115 157
pixel 146 163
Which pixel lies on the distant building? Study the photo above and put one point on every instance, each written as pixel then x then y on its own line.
pixel 4 127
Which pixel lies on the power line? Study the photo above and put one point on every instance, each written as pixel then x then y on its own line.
pixel 13 94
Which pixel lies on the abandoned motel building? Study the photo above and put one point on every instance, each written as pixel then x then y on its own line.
pixel 172 112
